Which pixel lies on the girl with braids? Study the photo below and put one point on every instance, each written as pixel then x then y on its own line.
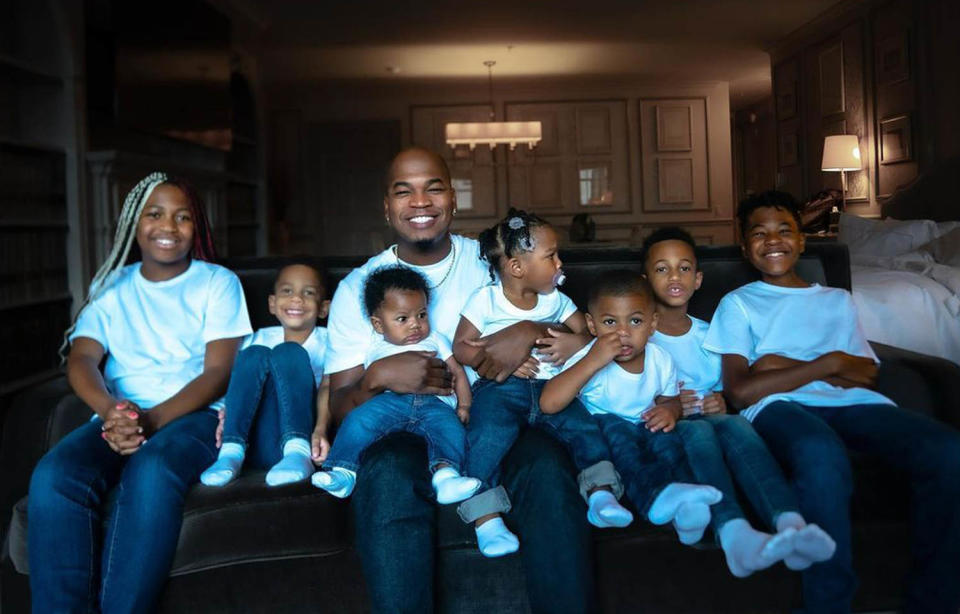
pixel 169 325
pixel 525 271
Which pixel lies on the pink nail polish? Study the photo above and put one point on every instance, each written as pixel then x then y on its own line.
pixel 132 415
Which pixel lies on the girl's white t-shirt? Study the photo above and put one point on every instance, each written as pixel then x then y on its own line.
pixel 490 311
pixel 800 323
pixel 155 333
pixel 452 280
pixel 315 345
pixel 614 390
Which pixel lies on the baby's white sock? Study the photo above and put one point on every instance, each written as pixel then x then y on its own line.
pixel 226 467
pixel 604 511
pixel 495 539
pixel 339 482
pixel 452 487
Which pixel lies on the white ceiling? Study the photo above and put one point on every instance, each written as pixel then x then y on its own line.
pixel 681 40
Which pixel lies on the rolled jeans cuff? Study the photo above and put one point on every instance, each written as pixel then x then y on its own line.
pixel 600 474
pixel 493 501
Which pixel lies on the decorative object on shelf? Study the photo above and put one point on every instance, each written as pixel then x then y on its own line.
pixel 816 215
pixel 582 228
pixel 895 140
pixel 493 133
pixel 893 59
pixel 841 152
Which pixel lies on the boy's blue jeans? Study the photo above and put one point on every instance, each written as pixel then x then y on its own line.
pixel 78 566
pixel 811 444
pixel 388 412
pixel 720 444
pixel 647 461
pixel 500 411
pixel 269 401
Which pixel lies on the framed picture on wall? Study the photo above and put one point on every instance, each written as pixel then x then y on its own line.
pixel 831 80
pixel 895 140
pixel 789 152
pixel 786 99
pixel 893 59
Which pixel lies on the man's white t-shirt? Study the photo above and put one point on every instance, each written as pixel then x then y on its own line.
pixel 315 345
pixel 799 323
pixel 349 332
pixel 434 342
pixel 155 332
pixel 490 311
pixel 614 390
pixel 698 369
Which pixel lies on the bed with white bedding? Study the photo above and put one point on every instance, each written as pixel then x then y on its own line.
pixel 905 273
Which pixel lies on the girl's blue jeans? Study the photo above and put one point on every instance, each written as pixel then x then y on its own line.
pixel 269 401
pixel 720 444
pixel 388 412
pixel 812 443
pixel 500 412
pixel 103 527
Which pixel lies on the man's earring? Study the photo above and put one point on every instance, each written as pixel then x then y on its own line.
pixel 454 213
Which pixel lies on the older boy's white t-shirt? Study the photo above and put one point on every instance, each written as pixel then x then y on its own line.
pixel 490 311
pixel 800 323
pixel 614 390
pixel 315 345
pixel 452 281
pixel 155 332
pixel 697 368
pixel 434 342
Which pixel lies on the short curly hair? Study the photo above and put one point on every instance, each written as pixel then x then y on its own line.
pixel 395 277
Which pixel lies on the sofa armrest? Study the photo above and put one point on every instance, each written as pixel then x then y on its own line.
pixel 918 381
pixel 35 420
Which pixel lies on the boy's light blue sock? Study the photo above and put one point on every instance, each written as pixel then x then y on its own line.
pixel 226 467
pixel 810 543
pixel 295 464
pixel 339 482
pixel 668 502
pixel 495 539
pixel 604 511
pixel 691 521
pixel 748 550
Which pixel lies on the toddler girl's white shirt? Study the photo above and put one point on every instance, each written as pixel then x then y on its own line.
pixel 800 323
pixel 434 342
pixel 452 280
pixel 698 369
pixel 155 332
pixel 490 312
pixel 315 345
pixel 614 390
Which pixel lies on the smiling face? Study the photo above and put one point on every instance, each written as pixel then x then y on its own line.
pixel 671 268
pixel 539 268
pixel 632 316
pixel 420 200
pixel 773 244
pixel 298 298
pixel 402 317
pixel 165 232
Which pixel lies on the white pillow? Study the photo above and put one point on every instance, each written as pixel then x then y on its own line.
pixel 945 249
pixel 873 242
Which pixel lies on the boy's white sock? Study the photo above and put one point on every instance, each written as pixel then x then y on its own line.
pixel 604 511
pixel 668 502
pixel 339 482
pixel 810 545
pixel 452 487
pixel 495 539
pixel 226 467
pixel 691 521
pixel 749 550
pixel 295 464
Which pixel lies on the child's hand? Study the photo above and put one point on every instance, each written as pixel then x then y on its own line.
pixel 122 429
pixel 319 446
pixel 858 370
pixel 713 404
pixel 529 368
pixel 606 348
pixel 690 401
pixel 660 418
pixel 221 416
pixel 463 412
pixel 559 346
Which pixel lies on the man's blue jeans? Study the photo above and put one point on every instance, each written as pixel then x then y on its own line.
pixel 388 412
pixel 500 412
pixel 811 444
pixel 647 461
pixel 720 444
pixel 78 566
pixel 269 401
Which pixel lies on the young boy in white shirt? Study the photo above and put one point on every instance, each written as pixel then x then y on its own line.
pixel 630 387
pixel 797 364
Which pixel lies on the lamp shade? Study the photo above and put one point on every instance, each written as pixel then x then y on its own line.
pixel 841 153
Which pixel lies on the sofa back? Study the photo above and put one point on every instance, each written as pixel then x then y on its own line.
pixel 724 269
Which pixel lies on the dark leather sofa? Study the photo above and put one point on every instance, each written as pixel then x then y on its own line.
pixel 250 548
